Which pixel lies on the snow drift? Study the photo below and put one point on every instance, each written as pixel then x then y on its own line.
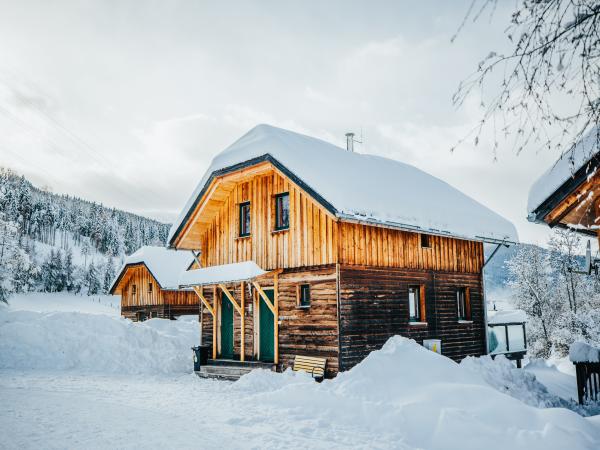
pixel 417 398
pixel 94 343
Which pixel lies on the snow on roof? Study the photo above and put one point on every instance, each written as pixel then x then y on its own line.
pixel 582 352
pixel 507 316
pixel 164 264
pixel 364 187
pixel 221 274
pixel 564 169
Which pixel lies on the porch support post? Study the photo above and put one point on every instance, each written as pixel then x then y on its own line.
pixel 276 318
pixel 243 324
pixel 216 309
pixel 264 296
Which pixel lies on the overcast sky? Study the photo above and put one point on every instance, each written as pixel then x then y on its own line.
pixel 125 103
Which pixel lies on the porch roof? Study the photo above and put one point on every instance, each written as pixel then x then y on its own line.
pixel 225 273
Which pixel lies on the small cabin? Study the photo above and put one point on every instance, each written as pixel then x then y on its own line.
pixel 148 285
pixel 307 249
pixel 567 194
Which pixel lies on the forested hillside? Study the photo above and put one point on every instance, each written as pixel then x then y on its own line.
pixel 57 242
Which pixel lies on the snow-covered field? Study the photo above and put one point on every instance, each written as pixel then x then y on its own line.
pixel 89 379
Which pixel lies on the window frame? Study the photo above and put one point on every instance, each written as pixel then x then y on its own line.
pixel 278 198
pixel 301 302
pixel 420 307
pixel 242 232
pixel 465 292
pixel 427 242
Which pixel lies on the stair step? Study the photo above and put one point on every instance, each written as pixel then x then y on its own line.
pixel 230 370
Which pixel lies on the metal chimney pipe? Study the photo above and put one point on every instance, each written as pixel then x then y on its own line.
pixel 350 142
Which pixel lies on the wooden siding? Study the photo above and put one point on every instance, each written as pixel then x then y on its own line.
pixel 315 237
pixel 140 276
pixel 384 247
pixel 311 239
pixel 374 307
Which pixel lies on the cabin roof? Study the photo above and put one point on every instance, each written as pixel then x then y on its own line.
pixel 165 265
pixel 358 187
pixel 572 169
pixel 225 273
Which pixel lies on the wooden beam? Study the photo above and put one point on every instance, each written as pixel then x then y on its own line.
pixel 200 294
pixel 214 349
pixel 243 337
pixel 231 299
pixel 276 318
pixel 264 296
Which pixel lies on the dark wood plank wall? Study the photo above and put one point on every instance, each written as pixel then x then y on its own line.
pixel 374 307
pixel 312 331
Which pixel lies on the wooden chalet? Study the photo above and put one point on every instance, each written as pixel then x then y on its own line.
pixel 148 285
pixel 568 194
pixel 308 249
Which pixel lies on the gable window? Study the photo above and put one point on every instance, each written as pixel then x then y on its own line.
pixel 282 211
pixel 425 242
pixel 133 289
pixel 244 219
pixel 303 295
pixel 416 303
pixel 150 288
pixel 463 304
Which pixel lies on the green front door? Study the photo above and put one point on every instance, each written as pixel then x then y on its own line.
pixel 226 329
pixel 267 333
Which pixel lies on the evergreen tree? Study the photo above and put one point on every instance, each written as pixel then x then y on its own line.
pixel 109 275
pixel 93 280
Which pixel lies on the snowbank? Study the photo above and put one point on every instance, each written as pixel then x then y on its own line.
pixel 94 343
pixel 417 398
pixel 109 305
pixel 582 352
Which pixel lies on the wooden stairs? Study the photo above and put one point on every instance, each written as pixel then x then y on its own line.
pixel 230 369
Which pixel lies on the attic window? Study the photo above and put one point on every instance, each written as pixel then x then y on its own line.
pixel 425 243
pixel 282 211
pixel 244 219
pixel 150 288
pixel 133 289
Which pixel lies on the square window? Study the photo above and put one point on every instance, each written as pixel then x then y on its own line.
pixel 463 304
pixel 282 211
pixel 304 295
pixel 244 219
pixel 425 241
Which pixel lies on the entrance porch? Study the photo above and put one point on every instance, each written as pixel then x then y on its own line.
pixel 238 307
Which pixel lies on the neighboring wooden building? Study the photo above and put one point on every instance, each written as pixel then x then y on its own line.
pixel 340 252
pixel 568 194
pixel 148 285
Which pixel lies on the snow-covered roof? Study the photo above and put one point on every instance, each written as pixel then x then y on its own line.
pixel 570 162
pixel 582 352
pixel 225 273
pixel 165 265
pixel 507 316
pixel 361 187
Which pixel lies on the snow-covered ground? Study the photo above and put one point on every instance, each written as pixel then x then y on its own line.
pixel 116 384
pixel 109 305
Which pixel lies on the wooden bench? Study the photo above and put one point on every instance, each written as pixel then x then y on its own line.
pixel 313 365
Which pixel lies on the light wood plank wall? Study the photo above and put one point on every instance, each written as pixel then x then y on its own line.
pixel 383 247
pixel 311 239
pixel 140 276
pixel 315 238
